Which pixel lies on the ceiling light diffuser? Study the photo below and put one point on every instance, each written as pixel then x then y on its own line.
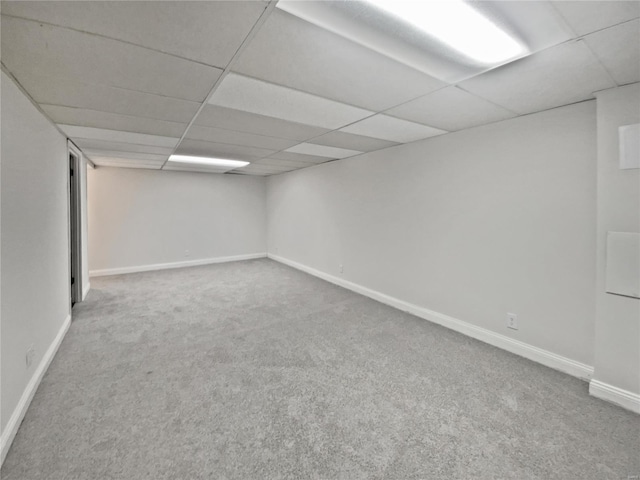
pixel 209 161
pixel 459 25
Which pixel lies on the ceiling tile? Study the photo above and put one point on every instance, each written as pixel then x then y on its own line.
pixel 113 121
pixel 392 129
pixel 32 49
pixel 352 142
pixel 259 170
pixel 618 48
pixel 211 149
pixel 282 163
pixel 589 16
pixel 230 119
pixel 281 168
pixel 295 53
pixel 264 167
pixel 298 157
pixel 181 167
pixel 240 172
pixel 322 151
pixel 272 172
pixel 69 93
pixel 75 131
pixel 451 109
pixel 124 163
pixel 219 135
pixel 126 155
pixel 92 144
pixel 208 32
pixel 561 75
pixel 255 96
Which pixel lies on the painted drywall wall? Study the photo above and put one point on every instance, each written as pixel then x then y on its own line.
pixel 35 259
pixel 617 339
pixel 473 224
pixel 139 218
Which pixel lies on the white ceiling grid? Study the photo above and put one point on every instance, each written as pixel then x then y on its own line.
pixel 113 121
pixel 586 17
pixel 322 150
pixel 256 96
pixel 132 82
pixel 220 135
pixel 107 145
pixel 352 142
pixel 392 129
pixel 75 131
pixel 61 52
pixel 566 73
pixel 441 109
pixel 618 49
pixel 291 52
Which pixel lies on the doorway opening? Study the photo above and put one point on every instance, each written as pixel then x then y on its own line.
pixel 75 219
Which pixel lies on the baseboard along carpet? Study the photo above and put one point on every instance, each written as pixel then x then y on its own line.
pixel 254 370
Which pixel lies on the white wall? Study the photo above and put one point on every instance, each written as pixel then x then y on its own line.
pixel 473 224
pixel 617 343
pixel 35 259
pixel 139 218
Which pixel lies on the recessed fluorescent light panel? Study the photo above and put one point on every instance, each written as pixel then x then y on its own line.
pixel 451 40
pixel 459 25
pixel 219 163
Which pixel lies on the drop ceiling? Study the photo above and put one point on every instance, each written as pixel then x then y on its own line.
pixel 133 82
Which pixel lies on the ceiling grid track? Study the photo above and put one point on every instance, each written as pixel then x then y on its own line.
pixel 4 68
pixel 287 85
pixel 107 37
pixel 252 33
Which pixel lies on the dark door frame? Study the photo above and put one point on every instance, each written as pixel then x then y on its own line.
pixel 75 224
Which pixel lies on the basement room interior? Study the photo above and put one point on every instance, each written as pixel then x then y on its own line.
pixel 321 239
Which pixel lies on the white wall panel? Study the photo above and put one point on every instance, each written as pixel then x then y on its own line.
pixel 473 224
pixel 157 216
pixel 35 257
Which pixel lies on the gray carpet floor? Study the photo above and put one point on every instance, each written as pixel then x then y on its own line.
pixel 253 370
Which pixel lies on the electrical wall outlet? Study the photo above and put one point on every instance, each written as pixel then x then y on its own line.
pixel 341 268
pixel 186 253
pixel 29 356
pixel 512 321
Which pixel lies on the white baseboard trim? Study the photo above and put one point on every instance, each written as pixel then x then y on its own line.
pixel 19 412
pixel 619 396
pixel 85 290
pixel 544 357
pixel 164 266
